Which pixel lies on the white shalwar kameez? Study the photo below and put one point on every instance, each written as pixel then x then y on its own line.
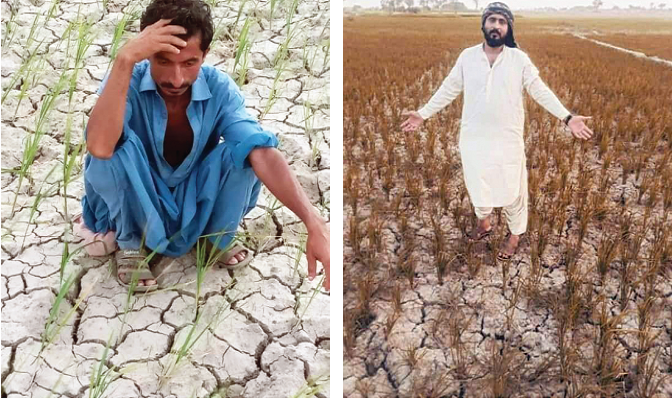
pixel 491 143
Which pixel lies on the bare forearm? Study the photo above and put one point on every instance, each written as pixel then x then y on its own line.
pixel 272 169
pixel 106 123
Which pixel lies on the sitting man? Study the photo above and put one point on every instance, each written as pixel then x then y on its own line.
pixel 158 174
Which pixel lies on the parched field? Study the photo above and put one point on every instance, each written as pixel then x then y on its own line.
pixel 69 329
pixel 585 307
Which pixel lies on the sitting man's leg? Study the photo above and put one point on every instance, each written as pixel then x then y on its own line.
pixel 237 193
pixel 121 196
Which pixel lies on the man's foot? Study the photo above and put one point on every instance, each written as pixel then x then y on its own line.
pixel 481 230
pixel 509 248
pixel 126 278
pixel 130 262
pixel 237 258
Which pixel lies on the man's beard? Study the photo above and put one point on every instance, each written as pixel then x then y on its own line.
pixel 494 42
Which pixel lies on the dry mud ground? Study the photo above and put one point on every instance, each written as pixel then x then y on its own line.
pixel 272 338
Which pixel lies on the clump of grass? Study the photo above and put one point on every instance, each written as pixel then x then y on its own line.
pixel 39 197
pixel 55 324
pixel 32 143
pixel 312 387
pixel 606 253
pixel 607 367
pixel 179 352
pixel 124 23
pixel 283 49
pixel 101 379
pixel 243 48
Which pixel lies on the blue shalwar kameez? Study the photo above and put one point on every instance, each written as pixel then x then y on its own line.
pixel 138 193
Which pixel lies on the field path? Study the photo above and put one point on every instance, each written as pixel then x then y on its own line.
pixel 632 52
pixel 261 331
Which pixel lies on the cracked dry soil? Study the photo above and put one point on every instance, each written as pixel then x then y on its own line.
pixel 272 338
pixel 426 313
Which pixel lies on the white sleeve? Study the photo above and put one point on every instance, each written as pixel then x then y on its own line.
pixel 450 88
pixel 540 92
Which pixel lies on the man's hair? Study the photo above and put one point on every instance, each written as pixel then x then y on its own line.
pixel 193 15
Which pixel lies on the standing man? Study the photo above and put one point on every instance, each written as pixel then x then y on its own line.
pixel 157 167
pixel 493 75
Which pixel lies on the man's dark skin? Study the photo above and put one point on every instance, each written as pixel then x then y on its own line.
pixel 175 65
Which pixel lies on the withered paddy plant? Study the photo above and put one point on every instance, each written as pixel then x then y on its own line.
pixel 584 308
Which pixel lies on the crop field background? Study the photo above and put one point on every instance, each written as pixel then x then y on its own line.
pixel 68 328
pixel 585 307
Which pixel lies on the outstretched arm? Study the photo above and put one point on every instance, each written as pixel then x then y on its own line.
pixel 541 93
pixel 272 169
pixel 450 88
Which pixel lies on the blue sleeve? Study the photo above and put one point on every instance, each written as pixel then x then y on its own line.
pixel 240 130
pixel 128 112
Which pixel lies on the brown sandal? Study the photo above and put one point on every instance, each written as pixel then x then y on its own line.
pixel 501 256
pixel 475 236
pixel 226 256
pixel 132 263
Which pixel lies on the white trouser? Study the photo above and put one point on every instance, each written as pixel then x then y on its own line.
pixel 516 213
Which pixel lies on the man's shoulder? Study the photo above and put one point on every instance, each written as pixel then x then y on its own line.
pixel 471 50
pixel 518 53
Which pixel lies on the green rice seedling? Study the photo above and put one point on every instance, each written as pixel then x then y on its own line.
pixel 135 277
pixel 27 82
pixel 312 387
pixel 275 90
pixel 54 324
pixel 180 352
pixel 220 31
pixel 322 43
pixel 52 390
pixel 11 25
pixel 83 43
pixel 316 290
pixel 119 29
pixel 273 4
pixel 240 12
pixel 283 49
pixel 33 29
pixel 39 197
pixel 101 380
pixel 205 262
pixel 32 143
pixel 25 72
pixel 300 251
pixel 273 207
pixel 242 52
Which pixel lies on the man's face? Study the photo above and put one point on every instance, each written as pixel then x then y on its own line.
pixel 495 30
pixel 175 73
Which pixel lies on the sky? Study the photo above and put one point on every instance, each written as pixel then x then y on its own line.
pixel 531 4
